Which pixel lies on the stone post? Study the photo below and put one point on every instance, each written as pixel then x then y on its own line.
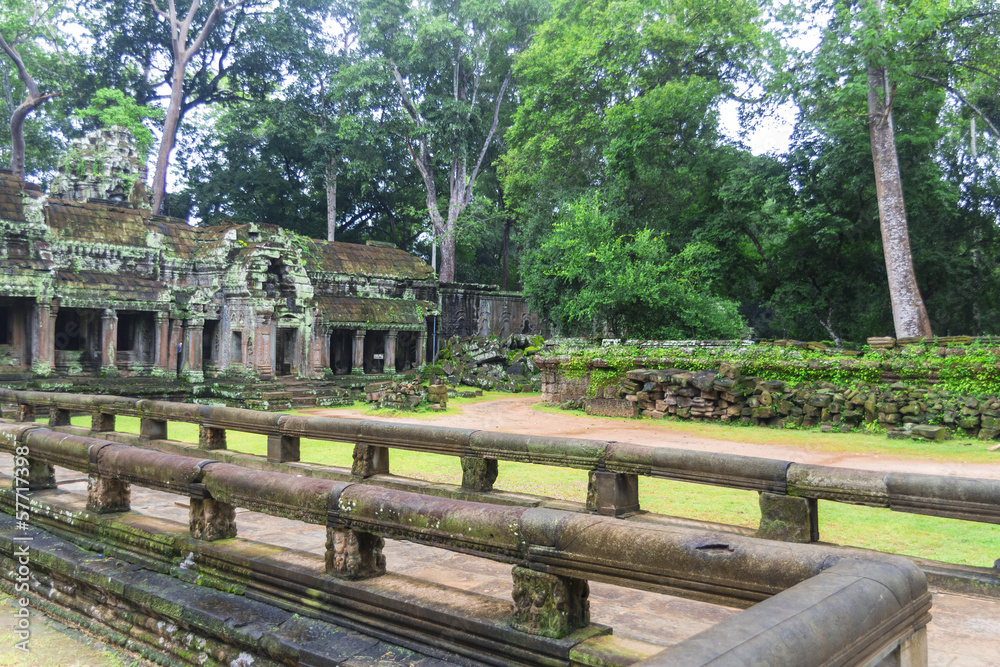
pixel 389 365
pixel 358 367
pixel 25 413
pixel 211 520
pixel 174 355
pixel 41 475
pixel 788 518
pixel 612 494
pixel 370 460
pixel 211 438
pixel 549 605
pixel 152 429
pixel 101 423
pixel 42 338
pixel 351 554
pixel 162 362
pixel 478 474
pixel 58 417
pixel 421 348
pixel 191 368
pixel 106 495
pixel 282 448
pixel 109 341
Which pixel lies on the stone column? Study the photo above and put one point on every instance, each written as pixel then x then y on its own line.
pixel 211 520
pixel 42 338
pixel 788 518
pixel 549 605
pixel 612 494
pixel 370 460
pixel 173 353
pixel 358 367
pixel 107 495
pixel 421 347
pixel 282 448
pixel 109 341
pixel 162 359
pixel 389 366
pixel 351 554
pixel 191 368
pixel 478 474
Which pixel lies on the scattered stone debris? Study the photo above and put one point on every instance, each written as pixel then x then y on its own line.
pixel 407 395
pixel 490 363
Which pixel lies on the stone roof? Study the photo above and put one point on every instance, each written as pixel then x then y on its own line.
pixel 359 311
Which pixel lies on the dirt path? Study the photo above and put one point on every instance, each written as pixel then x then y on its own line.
pixel 516 415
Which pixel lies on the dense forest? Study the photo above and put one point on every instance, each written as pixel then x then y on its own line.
pixel 578 150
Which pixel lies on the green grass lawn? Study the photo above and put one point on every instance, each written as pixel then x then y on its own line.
pixel 933 538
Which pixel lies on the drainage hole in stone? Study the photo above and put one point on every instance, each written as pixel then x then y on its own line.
pixel 715 548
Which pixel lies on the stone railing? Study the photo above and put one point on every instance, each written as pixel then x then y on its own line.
pixel 871 609
pixel 789 492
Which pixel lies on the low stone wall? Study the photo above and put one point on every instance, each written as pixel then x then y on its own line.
pixel 900 388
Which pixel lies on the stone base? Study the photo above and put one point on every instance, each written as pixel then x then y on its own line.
pixel 548 605
pixel 611 407
pixel 106 495
pixel 351 554
pixel 788 519
pixel 211 520
pixel 370 460
pixel 612 494
pixel 478 474
pixel 282 448
pixel 211 438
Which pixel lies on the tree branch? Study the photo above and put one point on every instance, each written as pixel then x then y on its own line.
pixel 962 99
pixel 489 137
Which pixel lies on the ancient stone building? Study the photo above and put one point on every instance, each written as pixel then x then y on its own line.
pixel 93 285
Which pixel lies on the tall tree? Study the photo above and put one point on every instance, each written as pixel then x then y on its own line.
pixel 452 65
pixel 30 36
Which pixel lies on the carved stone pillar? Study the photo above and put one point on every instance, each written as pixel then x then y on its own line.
pixel 358 367
pixel 175 347
pixel 549 605
pixel 211 520
pixel 390 351
pixel 107 495
pixel 421 348
pixel 191 368
pixel 162 362
pixel 788 518
pixel 351 554
pixel 42 338
pixel 109 341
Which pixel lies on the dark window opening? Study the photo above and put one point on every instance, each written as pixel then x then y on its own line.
pixel 341 351
pixel 374 352
pixel 126 332
pixel 5 326
pixel 209 334
pixel 406 351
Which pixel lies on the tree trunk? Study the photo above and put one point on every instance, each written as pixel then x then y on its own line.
pixel 909 314
pixel 17 160
pixel 331 199
pixel 170 122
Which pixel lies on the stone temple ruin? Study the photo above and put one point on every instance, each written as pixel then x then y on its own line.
pixel 95 286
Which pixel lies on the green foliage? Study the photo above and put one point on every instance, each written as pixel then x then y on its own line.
pixel 113 107
pixel 633 282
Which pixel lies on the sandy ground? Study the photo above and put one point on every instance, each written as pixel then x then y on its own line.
pixel 515 415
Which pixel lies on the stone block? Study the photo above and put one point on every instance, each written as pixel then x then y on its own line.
pixel 58 417
pixel 102 423
pixel 352 554
pixel 549 605
pixel 612 494
pixel 282 448
pixel 478 474
pixel 929 432
pixel 370 460
pixel 212 438
pixel 105 495
pixel 211 520
pixel 41 475
pixel 153 429
pixel 609 407
pixel 787 518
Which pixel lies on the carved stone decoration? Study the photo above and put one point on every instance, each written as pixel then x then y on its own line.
pixel 351 554
pixel 549 605
pixel 106 495
pixel 478 474
pixel 212 520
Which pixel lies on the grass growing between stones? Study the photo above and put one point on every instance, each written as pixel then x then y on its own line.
pixel 873 444
pixel 933 538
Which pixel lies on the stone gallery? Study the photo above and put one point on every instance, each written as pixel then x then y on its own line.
pixel 93 284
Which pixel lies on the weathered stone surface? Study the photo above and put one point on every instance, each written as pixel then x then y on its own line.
pixel 787 518
pixel 930 432
pixel 606 407
pixel 547 605
pixel 370 460
pixel 107 495
pixel 612 494
pixel 352 554
pixel 281 448
pixel 211 438
pixel 478 474
pixel 211 520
